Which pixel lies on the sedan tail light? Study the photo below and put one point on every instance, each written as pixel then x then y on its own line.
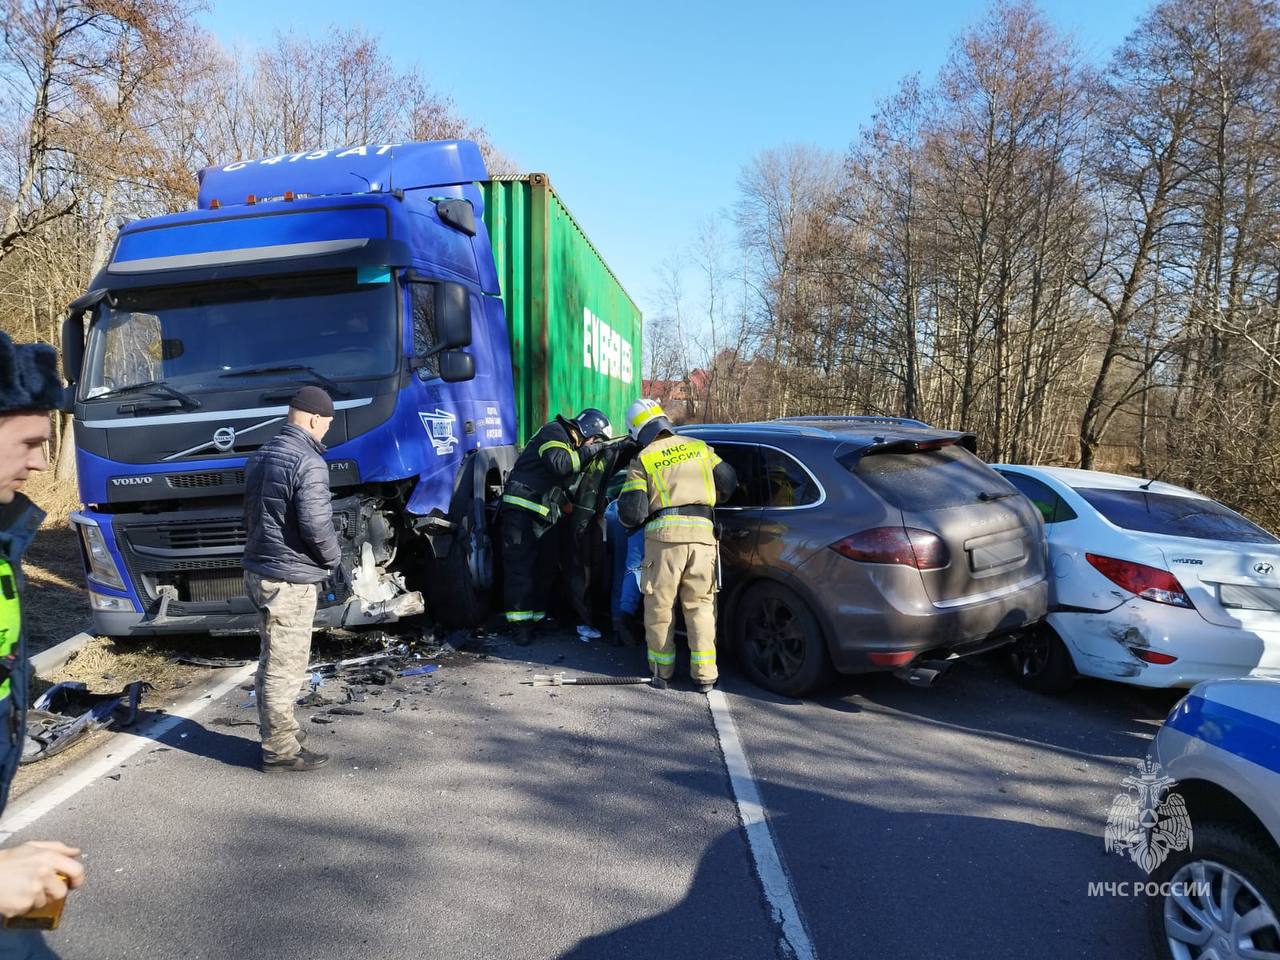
pixel 1153 656
pixel 1150 583
pixel 906 546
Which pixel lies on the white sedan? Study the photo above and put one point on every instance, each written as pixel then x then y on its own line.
pixel 1152 584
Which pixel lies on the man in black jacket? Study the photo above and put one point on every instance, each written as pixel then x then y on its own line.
pixel 531 501
pixel 291 547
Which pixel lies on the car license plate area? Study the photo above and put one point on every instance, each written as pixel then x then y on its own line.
pixel 1240 596
pixel 991 556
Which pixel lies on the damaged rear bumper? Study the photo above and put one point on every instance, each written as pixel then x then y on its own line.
pixel 1107 645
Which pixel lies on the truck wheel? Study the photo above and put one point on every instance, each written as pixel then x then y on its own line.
pixel 1241 909
pixel 779 641
pixel 1042 661
pixel 458 584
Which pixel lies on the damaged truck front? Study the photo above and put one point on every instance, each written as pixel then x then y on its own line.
pixel 446 314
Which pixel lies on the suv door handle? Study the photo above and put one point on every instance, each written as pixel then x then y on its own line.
pixel 737 533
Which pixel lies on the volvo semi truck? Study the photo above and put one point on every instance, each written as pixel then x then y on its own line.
pixel 448 314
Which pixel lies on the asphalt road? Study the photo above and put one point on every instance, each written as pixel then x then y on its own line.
pixel 489 819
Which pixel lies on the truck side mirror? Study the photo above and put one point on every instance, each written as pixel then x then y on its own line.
pixel 458 214
pixel 72 346
pixel 453 315
pixel 457 366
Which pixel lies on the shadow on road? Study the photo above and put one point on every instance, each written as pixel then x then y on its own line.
pixel 908 885
pixel 193 738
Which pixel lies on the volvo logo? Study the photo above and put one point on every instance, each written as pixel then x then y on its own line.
pixel 1263 568
pixel 130 481
pixel 224 438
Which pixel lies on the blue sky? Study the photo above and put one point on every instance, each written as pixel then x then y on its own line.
pixel 643 114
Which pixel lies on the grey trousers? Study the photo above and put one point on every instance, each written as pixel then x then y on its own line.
pixel 285 615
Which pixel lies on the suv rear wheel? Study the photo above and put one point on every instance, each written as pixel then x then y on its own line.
pixel 1042 661
pixel 779 641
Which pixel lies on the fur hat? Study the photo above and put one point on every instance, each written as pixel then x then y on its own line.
pixel 29 378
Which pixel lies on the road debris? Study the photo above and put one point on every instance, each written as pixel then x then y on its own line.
pixel 67 712
pixel 216 663
pixel 419 671
pixel 345 712
pixel 560 680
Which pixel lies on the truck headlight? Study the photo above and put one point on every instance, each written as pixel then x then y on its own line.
pixel 102 567
pixel 100 601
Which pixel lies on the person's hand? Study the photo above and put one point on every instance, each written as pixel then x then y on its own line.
pixel 29 875
pixel 589 450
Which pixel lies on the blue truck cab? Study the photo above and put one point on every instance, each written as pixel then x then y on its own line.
pixel 366 270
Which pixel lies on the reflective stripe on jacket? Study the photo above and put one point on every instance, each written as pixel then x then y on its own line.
pixel 545 467
pixel 19 522
pixel 674 471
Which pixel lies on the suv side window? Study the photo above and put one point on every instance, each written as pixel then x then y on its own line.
pixel 785 482
pixel 745 460
pixel 1051 506
pixel 422 300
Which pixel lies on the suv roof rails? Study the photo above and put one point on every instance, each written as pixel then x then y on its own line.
pixel 896 421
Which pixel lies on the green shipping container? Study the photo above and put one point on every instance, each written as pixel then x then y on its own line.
pixel 576 337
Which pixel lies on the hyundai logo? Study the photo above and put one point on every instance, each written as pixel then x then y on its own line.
pixel 224 438
pixel 1263 568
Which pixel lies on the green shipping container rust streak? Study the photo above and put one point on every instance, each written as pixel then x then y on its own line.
pixel 576 336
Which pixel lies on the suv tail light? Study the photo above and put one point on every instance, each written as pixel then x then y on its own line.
pixel 907 546
pixel 1150 583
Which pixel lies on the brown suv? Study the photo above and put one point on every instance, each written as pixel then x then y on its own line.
pixel 865 544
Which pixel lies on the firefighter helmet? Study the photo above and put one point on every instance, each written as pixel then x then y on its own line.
pixel 592 423
pixel 645 420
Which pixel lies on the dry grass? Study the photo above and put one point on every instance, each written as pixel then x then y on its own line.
pixel 56 498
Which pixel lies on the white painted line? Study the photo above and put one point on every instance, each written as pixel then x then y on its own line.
pixel 773 875
pixel 123 746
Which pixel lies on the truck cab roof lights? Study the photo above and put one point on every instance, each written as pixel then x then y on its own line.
pixel 251 199
pixel 215 204
pixel 288 196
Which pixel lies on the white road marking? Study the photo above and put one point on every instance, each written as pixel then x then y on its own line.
pixel 123 746
pixel 773 875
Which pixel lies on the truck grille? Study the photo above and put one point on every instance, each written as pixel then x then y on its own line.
pixel 199 536
pixel 199 481
pixel 213 587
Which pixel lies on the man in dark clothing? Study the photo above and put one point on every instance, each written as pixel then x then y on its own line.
pixel 531 503
pixel 36 872
pixel 290 548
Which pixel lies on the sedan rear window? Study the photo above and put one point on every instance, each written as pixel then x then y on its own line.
pixel 1174 516
pixel 931 479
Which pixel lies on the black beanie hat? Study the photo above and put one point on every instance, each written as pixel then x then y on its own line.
pixel 29 379
pixel 311 399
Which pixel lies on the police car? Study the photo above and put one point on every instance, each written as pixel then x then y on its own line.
pixel 1220 895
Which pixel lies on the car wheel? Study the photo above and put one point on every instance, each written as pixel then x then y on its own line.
pixel 1042 662
pixel 779 642
pixel 1240 916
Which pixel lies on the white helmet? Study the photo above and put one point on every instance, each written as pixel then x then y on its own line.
pixel 645 418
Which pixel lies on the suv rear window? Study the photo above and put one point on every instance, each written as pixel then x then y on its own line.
pixel 1174 516
pixel 930 479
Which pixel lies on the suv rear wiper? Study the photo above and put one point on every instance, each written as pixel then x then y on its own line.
pixel 320 378
pixel 989 497
pixel 187 401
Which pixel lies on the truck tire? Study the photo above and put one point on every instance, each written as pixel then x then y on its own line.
pixel 459 585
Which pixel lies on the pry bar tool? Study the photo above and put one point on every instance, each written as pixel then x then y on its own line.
pixel 560 680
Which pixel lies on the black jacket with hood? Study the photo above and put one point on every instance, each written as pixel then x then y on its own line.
pixel 288 512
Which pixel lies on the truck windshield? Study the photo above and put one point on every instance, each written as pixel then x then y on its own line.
pixel 341 323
